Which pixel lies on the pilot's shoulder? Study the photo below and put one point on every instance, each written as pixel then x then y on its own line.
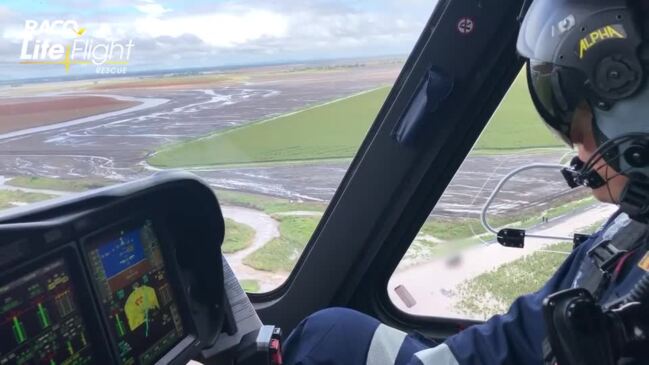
pixel 606 231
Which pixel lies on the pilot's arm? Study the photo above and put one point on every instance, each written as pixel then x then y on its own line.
pixel 339 336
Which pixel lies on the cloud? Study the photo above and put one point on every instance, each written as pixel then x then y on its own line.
pixel 218 29
pixel 151 8
pixel 5 13
pixel 170 34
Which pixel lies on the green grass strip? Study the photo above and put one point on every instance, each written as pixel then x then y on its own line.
pixel 12 198
pixel 267 204
pixel 281 254
pixel 250 286
pixel 333 130
pixel 237 236
pixel 73 185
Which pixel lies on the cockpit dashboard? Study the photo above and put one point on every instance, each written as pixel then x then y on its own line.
pixel 130 275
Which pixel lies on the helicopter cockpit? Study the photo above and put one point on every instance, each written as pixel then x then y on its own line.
pixel 186 182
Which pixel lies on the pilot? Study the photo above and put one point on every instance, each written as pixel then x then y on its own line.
pixel 586 68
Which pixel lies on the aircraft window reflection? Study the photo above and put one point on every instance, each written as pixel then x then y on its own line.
pixel 268 102
pixel 454 267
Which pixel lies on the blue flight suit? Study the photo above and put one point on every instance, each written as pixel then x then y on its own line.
pixel 340 336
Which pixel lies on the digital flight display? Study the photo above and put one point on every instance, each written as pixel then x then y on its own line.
pixel 138 301
pixel 40 322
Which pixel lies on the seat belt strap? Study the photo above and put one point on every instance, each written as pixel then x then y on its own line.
pixel 620 237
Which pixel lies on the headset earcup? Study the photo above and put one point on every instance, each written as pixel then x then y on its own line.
pixel 617 77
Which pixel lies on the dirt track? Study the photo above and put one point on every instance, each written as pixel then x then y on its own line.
pixel 266 229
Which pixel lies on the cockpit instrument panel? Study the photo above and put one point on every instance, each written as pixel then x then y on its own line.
pixel 137 300
pixel 40 318
pixel 127 275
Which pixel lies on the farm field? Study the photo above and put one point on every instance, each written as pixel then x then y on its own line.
pixel 335 129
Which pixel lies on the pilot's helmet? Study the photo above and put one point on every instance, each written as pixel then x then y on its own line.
pixel 594 52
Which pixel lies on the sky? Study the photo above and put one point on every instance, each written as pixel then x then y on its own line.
pixel 200 33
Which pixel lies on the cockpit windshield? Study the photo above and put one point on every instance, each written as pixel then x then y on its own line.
pixel 268 102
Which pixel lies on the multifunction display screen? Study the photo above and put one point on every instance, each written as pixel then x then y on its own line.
pixel 138 301
pixel 40 319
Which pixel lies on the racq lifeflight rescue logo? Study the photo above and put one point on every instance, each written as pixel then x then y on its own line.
pixel 65 43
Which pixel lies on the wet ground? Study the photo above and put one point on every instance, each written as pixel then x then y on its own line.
pixel 116 145
pixel 467 193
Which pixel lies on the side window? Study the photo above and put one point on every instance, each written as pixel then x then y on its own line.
pixel 454 267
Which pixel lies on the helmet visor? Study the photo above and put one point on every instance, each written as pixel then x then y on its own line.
pixel 552 100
